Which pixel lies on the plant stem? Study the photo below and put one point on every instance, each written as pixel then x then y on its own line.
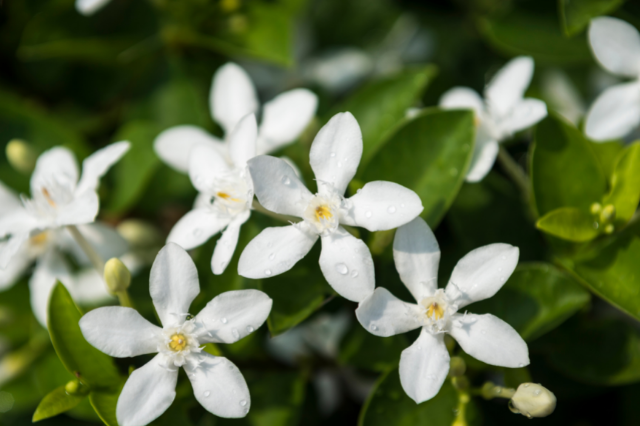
pixel 91 253
pixel 258 207
pixel 124 299
pixel 516 174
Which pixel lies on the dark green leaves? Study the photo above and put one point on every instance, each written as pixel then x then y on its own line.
pixel 569 223
pixel 362 349
pixel 625 184
pixel 56 402
pixel 576 14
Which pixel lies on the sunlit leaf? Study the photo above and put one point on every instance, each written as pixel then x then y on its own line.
pixel 569 223
pixel 625 184
pixel 56 402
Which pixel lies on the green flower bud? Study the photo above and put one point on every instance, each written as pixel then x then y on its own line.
pixel 608 213
pixel 74 387
pixel 609 229
pixel 21 156
pixel 116 275
pixel 533 400
pixel 596 208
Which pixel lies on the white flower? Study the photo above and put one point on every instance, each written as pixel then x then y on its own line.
pixel 616 112
pixel 89 7
pixel 217 383
pixel 233 97
pixel 34 228
pixel 500 115
pixel 477 276
pixel 225 195
pixel 345 260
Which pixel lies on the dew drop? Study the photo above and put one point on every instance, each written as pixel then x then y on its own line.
pixel 197 232
pixel 520 365
pixel 342 268
pixel 499 269
pixel 246 410
pixel 235 333
pixel 354 273
pixel 374 328
pixel 224 320
pixel 339 164
pixel 536 393
pixel 250 329
pixel 391 209
pixel 272 256
pixel 206 394
pixel 402 205
pixel 526 385
pixel 243 402
pixel 368 213
pixel 267 272
pixel 498 391
pixel 223 265
pixel 333 154
pixel 286 180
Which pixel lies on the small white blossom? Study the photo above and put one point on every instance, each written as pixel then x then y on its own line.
pixel 616 112
pixel 503 112
pixel 477 276
pixel 345 260
pixel 89 7
pixel 217 383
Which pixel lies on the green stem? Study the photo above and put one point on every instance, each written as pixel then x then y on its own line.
pixel 124 299
pixel 490 390
pixel 88 249
pixel 515 172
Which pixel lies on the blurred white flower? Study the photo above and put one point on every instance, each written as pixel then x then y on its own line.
pixel 616 46
pixel 503 112
pixel 217 383
pixel 89 7
pixel 477 276
pixel 562 95
pixel 345 260
pixel 33 229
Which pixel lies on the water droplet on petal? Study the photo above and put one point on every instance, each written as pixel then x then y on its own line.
pixel 250 329
pixel 402 205
pixel 223 265
pixel 374 328
pixel 354 273
pixel 391 209
pixel 521 365
pixel 536 393
pixel 272 256
pixel 243 402
pixel 197 232
pixel 235 333
pixel 267 272
pixel 333 154
pixel 206 394
pixel 342 268
pixel 224 320
pixel 286 180
pixel 368 213
pixel 339 164
pixel 499 269
pixel 526 385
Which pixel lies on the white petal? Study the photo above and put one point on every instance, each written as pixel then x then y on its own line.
pixel 508 86
pixel 196 227
pixel 219 386
pixel 9 201
pixel 120 332
pixel 173 284
pixel 173 146
pixel 206 165
pixel 277 186
pixel 97 164
pixel 285 117
pixel 615 113
pixel 15 269
pixel 616 45
pixel 336 151
pixel 57 164
pixel 89 7
pixel 462 97
pixel 87 286
pixel 82 209
pixel 275 250
pixel 202 200
pixel 490 340
pixel 233 315
pixel 243 141
pixel 417 255
pixel 484 156
pixel 232 96
pixel 524 114
pixel 424 366
pixel 50 268
pixel 481 273
pixel 148 393
pixel 105 240
pixel 10 248
pixel 385 315
pixel 226 244
pixel 381 205
pixel 347 265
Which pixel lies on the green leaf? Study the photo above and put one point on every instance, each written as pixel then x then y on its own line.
pixel 608 154
pixel 100 51
pixel 56 402
pixel 569 223
pixel 179 101
pixel 564 169
pixel 430 155
pixel 362 349
pixel 625 184
pixel 576 14
pixel 104 403
pixel 87 363
pixel 537 298
pixel 381 105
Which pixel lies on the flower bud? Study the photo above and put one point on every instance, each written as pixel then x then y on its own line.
pixel 595 208
pixel 74 387
pixel 21 156
pixel 609 229
pixel 116 275
pixel 139 233
pixel 608 213
pixel 533 400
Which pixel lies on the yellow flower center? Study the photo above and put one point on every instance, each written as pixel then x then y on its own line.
pixel 435 311
pixel 226 196
pixel 178 342
pixel 323 212
pixel 47 196
pixel 39 239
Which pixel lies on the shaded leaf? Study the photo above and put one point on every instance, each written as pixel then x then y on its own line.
pixel 362 349
pixel 625 184
pixel 569 223
pixel 104 403
pixel 575 15
pixel 56 402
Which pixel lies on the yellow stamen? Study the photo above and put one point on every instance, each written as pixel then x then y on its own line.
pixel 226 196
pixel 476 120
pixel 39 239
pixel 178 342
pixel 323 212
pixel 435 311
pixel 46 194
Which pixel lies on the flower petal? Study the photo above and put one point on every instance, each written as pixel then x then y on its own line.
pixel 275 250
pixel 336 151
pixel 615 113
pixel 277 186
pixel 206 165
pixel 105 240
pixel 120 332
pixel 484 156
pixel 10 247
pixel 524 114
pixel 381 205
pixel 417 255
pixel 148 392
pixel 226 244
pixel 508 85
pixel 82 209
pixel 481 273
pixel 616 45
pixel 347 265
pixel 490 340
pixel 232 96
pixel 462 97
pixel 97 164
pixel 196 227
pixel 285 117
pixel 424 366
pixel 233 315
pixel 57 163
pixel 219 386
pixel 174 145
pixel 50 268
pixel 173 284
pixel 243 141
pixel 9 201
pixel 385 315
pixel 89 7
pixel 16 268
pixel 87 286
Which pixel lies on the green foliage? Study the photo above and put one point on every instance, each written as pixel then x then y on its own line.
pixel 576 14
pixel 56 402
pixel 361 349
pixel 625 184
pixel 104 403
pixel 569 223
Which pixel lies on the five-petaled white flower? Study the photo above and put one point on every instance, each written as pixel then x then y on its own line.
pixel 34 228
pixel 616 112
pixel 233 97
pixel 478 275
pixel 500 115
pixel 217 383
pixel 225 194
pixel 345 260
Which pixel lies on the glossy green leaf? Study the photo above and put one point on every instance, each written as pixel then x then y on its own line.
pixel 575 15
pixel 625 184
pixel 56 402
pixel 564 169
pixel 104 403
pixel 537 298
pixel 362 349
pixel 87 363
pixel 381 105
pixel 607 154
pixel 569 223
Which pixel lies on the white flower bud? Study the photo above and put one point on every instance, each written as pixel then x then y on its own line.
pixel 139 233
pixel 533 400
pixel 21 156
pixel 116 275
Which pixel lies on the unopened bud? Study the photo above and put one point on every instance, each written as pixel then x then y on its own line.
pixel 533 400
pixel 139 233
pixel 74 387
pixel 116 275
pixel 21 155
pixel 609 229
pixel 595 208
pixel 457 367
pixel 608 213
